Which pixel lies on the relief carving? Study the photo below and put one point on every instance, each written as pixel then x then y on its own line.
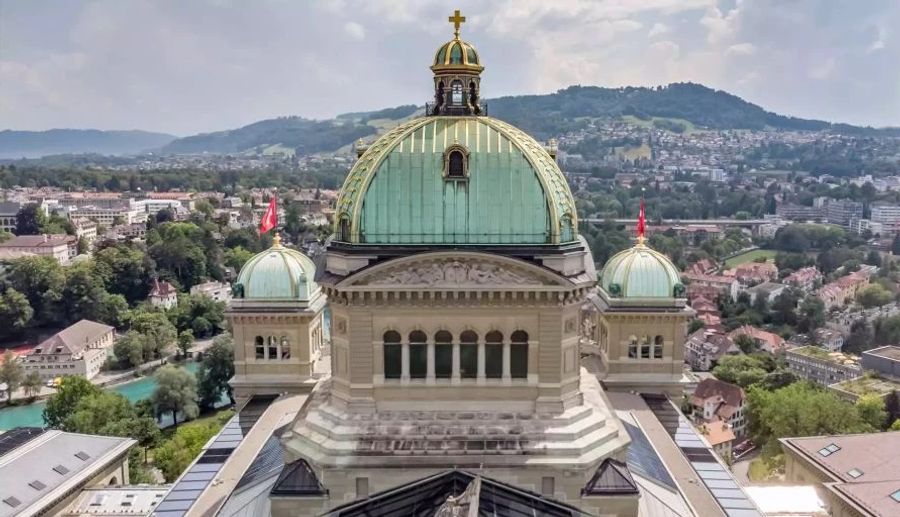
pixel 454 272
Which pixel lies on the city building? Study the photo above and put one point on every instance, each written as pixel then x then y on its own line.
pixel 818 365
pixel 80 349
pixel 116 501
pixel 218 291
pixel 752 273
pixel 703 267
pixel 163 294
pixel 798 212
pixel 106 216
pixel 888 216
pixel 720 436
pixel 843 290
pixel 43 471
pixel 764 340
pixel 8 212
pixel 768 290
pixel 884 360
pixel 842 211
pixel 718 401
pixel 85 229
pixel 805 278
pixel 704 348
pixel 857 474
pixel 58 247
pixel 725 286
pixel 829 339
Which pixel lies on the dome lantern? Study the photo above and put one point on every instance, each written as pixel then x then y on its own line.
pixel 457 75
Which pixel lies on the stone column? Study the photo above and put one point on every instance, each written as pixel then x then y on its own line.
pixel 454 375
pixel 507 375
pixel 404 362
pixel 481 360
pixel 429 371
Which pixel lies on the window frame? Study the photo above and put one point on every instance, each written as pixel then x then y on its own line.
pixel 456 148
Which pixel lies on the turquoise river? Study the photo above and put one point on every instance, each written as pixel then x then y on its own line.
pixel 32 414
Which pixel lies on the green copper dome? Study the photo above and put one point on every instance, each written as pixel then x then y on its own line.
pixel 503 188
pixel 641 272
pixel 278 273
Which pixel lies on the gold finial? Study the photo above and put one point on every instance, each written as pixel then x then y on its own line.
pixel 276 240
pixel 457 19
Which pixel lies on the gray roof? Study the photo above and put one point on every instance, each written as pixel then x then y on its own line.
pixel 36 241
pixel 73 338
pixel 116 501
pixel 8 208
pixel 43 470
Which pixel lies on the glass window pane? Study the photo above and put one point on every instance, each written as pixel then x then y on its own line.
pixel 468 361
pixel 518 361
pixel 443 361
pixel 418 361
pixel 393 357
pixel 493 361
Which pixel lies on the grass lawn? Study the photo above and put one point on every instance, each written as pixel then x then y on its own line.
pixel 761 470
pixel 750 256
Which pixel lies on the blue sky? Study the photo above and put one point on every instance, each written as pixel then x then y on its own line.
pixel 187 66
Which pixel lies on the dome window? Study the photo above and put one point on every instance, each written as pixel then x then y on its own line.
pixel 456 163
pixel 456 93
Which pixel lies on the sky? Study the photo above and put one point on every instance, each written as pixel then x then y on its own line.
pixel 189 66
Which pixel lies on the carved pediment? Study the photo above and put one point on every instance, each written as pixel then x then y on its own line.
pixel 454 272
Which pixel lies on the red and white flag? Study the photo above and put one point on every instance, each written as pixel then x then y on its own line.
pixel 642 221
pixel 270 218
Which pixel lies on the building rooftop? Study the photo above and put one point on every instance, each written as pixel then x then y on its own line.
pixel 824 355
pixel 73 339
pixel 860 470
pixel 116 501
pixel 868 384
pixel 36 241
pixel 36 473
pixel 888 352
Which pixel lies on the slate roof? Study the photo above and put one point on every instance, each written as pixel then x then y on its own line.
pixel 611 478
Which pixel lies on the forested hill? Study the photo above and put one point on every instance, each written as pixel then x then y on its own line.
pixel 32 144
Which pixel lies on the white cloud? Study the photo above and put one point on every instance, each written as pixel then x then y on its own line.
pixel 355 31
pixel 658 29
pixel 740 49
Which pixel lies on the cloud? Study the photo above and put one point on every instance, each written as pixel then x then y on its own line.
pixel 355 31
pixel 207 65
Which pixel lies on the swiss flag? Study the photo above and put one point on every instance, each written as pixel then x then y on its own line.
pixel 270 218
pixel 642 221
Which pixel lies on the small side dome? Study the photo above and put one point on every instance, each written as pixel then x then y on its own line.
pixel 277 274
pixel 640 272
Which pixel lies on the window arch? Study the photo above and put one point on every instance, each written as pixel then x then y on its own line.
pixel 518 359
pixel 632 347
pixel 260 347
pixel 658 347
pixel 273 348
pixel 456 162
pixel 393 355
pixel 468 354
pixel 344 228
pixel 285 348
pixel 646 345
pixel 456 93
pixel 443 354
pixel 418 354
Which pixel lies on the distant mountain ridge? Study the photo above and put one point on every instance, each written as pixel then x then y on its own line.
pixel 34 144
pixel 544 116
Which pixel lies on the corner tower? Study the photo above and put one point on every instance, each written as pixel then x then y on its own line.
pixel 455 278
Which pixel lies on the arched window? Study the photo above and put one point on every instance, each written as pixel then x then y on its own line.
pixel 285 348
pixel 658 347
pixel 468 355
pixel 393 355
pixel 260 347
pixel 493 355
pixel 456 93
pixel 418 354
pixel 518 359
pixel 456 162
pixel 443 354
pixel 632 347
pixel 272 348
pixel 645 347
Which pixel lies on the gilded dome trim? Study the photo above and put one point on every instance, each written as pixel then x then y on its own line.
pixel 558 196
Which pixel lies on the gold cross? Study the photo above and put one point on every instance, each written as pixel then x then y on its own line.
pixel 456 20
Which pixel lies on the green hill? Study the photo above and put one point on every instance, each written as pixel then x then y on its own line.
pixel 34 144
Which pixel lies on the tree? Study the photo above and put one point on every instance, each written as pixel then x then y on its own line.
pixel 15 312
pixel 861 338
pixel 10 373
pixel 30 219
pixel 874 295
pixel 873 258
pixel 185 342
pixel 811 314
pixel 887 331
pixel 895 245
pixel 215 371
pixel 800 409
pixel 236 257
pixel 791 261
pixel 129 349
pixel 743 370
pixel 32 383
pixel 126 270
pixel 176 391
pixel 68 394
pixel 198 313
pixel 784 306
pixel 176 454
pixel 42 281
pixel 746 343
pixel 159 332
pixel 872 411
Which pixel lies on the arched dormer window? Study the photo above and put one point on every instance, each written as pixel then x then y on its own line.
pixel 456 163
pixel 344 229
pixel 456 93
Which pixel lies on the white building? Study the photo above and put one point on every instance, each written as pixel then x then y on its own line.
pixel 218 291
pixel 80 349
pixel 60 247
pixel 106 216
pixel 163 294
pixel 8 212
pixel 888 216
